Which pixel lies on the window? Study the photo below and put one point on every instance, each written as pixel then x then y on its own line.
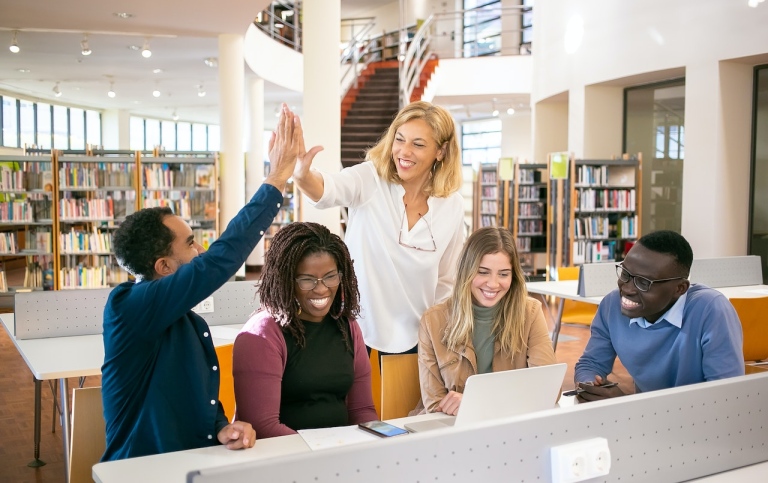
pixel 93 128
pixel 168 135
pixel 199 137
pixel 10 124
pixel 60 127
pixel 137 133
pixel 480 142
pixel 44 135
pixel 214 138
pixel 76 128
pixel 183 136
pixel 482 27
pixel 152 130
pixel 26 123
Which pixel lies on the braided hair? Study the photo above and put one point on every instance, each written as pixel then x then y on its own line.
pixel 277 287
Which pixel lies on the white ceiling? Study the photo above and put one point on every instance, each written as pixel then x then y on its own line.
pixel 181 36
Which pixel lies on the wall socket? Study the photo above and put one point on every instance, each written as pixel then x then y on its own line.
pixel 204 307
pixel 580 461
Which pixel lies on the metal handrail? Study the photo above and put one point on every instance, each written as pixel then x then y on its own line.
pixel 357 48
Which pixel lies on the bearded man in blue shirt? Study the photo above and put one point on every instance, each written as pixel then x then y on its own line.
pixel 160 378
pixel 666 332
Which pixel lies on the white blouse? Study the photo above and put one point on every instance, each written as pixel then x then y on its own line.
pixel 397 282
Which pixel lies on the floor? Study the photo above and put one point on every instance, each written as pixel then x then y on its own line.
pixel 17 410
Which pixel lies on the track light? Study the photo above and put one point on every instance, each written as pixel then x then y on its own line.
pixel 145 52
pixel 200 91
pixel 156 92
pixel 175 116
pixel 111 92
pixel 14 48
pixel 510 111
pixel 56 90
pixel 85 48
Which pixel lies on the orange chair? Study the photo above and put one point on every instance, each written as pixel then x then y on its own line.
pixel 227 384
pixel 575 312
pixel 752 313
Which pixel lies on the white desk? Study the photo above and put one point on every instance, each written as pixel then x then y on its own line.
pixel 568 290
pixel 58 358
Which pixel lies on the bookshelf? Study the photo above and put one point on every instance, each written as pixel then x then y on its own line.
pixel 26 221
pixel 285 215
pixel 187 182
pixel 529 218
pixel 604 208
pixel 387 45
pixel 486 196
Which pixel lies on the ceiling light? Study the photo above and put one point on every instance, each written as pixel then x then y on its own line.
pixel 145 52
pixel 175 116
pixel 157 71
pixel 86 49
pixel 211 61
pixel 200 91
pixel 279 25
pixel 56 90
pixel 510 111
pixel 111 92
pixel 14 44
pixel 25 71
pixel 156 93
pixel 495 113
pixel 123 15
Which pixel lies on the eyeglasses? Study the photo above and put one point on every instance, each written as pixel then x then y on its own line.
pixel 643 284
pixel 400 238
pixel 330 281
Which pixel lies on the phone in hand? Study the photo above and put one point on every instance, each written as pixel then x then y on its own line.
pixel 380 428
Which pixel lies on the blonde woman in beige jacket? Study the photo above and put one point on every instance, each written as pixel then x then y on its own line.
pixel 488 324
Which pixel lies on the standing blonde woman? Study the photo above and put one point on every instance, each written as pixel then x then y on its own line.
pixel 406 221
pixel 488 324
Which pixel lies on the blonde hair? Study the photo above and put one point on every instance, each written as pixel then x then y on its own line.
pixel 446 175
pixel 509 320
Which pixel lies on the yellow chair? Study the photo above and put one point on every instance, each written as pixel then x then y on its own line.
pixel 376 381
pixel 227 384
pixel 575 312
pixel 752 313
pixel 88 433
pixel 400 390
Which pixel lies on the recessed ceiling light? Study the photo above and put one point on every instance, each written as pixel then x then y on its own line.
pixel 123 15
pixel 134 47
pixel 156 93
pixel 211 61
pixel 25 71
pixel 157 71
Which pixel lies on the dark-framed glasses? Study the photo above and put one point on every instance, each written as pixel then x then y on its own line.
pixel 309 283
pixel 423 249
pixel 643 284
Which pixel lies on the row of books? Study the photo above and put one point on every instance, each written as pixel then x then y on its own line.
pixel 38 240
pixel 185 208
pixel 84 209
pixel 597 251
pixel 529 244
pixel 530 227
pixel 204 237
pixel 158 177
pixel 606 200
pixel 490 192
pixel 79 175
pixel 487 220
pixel 16 211
pixel 529 176
pixel 592 227
pixel 529 192
pixel 489 207
pixel 532 209
pixel 605 176
pixel 76 241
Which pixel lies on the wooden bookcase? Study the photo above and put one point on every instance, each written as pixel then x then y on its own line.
pixel 486 196
pixel 529 218
pixel 386 46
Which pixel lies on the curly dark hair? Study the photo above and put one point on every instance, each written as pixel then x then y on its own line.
pixel 277 287
pixel 671 243
pixel 141 239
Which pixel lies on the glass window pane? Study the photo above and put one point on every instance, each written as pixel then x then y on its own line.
pixel 76 128
pixel 137 133
pixel 93 127
pixel 199 137
pixel 152 127
pixel 214 138
pixel 184 136
pixel 43 126
pixel 10 137
pixel 60 128
pixel 27 123
pixel 168 133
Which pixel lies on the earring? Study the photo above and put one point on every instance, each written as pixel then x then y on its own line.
pixel 298 312
pixel 341 308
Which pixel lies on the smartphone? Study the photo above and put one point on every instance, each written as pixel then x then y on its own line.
pixel 380 428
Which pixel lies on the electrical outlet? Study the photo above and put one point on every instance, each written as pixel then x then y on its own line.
pixel 580 461
pixel 204 307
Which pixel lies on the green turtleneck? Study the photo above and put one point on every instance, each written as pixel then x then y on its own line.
pixel 482 338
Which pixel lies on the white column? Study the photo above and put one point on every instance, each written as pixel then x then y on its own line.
pixel 322 96
pixel 716 171
pixel 550 121
pixel 116 129
pixel 231 82
pixel 254 166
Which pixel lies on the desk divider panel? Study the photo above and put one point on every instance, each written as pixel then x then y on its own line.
pixel 663 436
pixel 727 271
pixel 62 313
pixel 597 279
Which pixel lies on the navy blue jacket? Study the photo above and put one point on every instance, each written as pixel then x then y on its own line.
pixel 160 378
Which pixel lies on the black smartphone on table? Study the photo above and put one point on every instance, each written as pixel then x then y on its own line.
pixel 380 428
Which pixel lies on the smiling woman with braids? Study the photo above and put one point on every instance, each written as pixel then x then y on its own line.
pixel 300 361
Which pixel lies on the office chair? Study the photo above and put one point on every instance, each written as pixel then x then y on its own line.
pixel 752 313
pixel 400 390
pixel 376 381
pixel 575 312
pixel 88 433
pixel 227 384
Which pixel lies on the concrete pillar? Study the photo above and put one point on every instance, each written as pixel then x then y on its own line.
pixel 254 166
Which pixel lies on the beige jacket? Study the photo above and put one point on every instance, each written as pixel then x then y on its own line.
pixel 442 370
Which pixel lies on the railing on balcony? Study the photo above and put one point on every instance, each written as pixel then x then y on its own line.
pixel 282 22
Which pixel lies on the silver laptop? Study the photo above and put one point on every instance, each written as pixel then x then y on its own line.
pixel 502 394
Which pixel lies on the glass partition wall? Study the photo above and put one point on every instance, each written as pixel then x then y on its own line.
pixel 758 219
pixel 654 125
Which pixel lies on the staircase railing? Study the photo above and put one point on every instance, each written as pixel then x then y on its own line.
pixel 416 57
pixel 357 48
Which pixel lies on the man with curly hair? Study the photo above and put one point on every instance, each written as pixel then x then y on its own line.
pixel 160 378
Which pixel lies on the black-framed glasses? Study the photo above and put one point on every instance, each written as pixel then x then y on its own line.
pixel 431 236
pixel 643 284
pixel 309 283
